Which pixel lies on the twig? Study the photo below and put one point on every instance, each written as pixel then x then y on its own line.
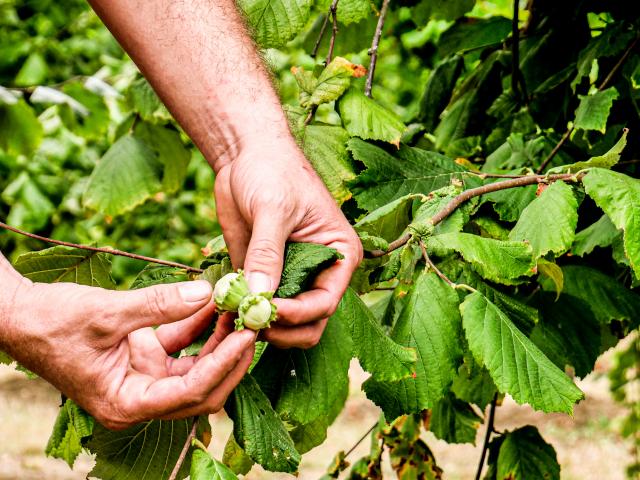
pixel 323 28
pixel 185 449
pixel 307 120
pixel 602 86
pixel 619 64
pixel 433 265
pixel 110 251
pixel 333 10
pixel 555 150
pixel 373 51
pixel 517 79
pixel 351 450
pixel 458 200
pixel 487 437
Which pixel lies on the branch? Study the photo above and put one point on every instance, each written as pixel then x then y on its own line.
pixel 185 449
pixel 351 450
pixel 333 10
pixel 433 265
pixel 373 51
pixel 487 437
pixel 517 79
pixel 110 251
pixel 458 200
pixel 323 28
pixel 602 86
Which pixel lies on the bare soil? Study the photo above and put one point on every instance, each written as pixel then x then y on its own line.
pixel 588 446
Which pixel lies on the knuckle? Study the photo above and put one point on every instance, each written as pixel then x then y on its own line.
pixel 263 252
pixel 158 302
pixel 312 341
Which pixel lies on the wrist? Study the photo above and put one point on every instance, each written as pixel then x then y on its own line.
pixel 248 130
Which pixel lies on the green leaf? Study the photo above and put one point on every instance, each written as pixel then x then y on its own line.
pixel 454 421
pixel 66 264
pixel 20 129
pixel 473 33
pixel 365 118
pixel 275 22
pixel 474 383
pixel 157 275
pixel 333 81
pixel 302 262
pixel 389 221
pixel 236 458
pixel 170 152
pixel 516 365
pixel 436 202
pixel 525 455
pixel 510 203
pixel 619 196
pixel 601 234
pixel 569 333
pixel 549 222
pixel 258 429
pixel 31 208
pixel 430 323
pixel 72 426
pixel 441 9
pixel 607 299
pixel 554 273
pixel 146 103
pixel 607 160
pixel 352 38
pixel 593 111
pixel 387 177
pixel 147 451
pixel 125 177
pixel 438 90
pixel 496 260
pixel 204 467
pixel 378 354
pixel 325 147
pixel 34 71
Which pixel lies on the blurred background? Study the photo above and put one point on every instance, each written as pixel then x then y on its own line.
pixel 67 92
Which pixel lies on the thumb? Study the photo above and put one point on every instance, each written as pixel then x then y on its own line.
pixel 162 304
pixel 265 254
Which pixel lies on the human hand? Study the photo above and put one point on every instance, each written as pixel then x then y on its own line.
pixel 98 348
pixel 266 195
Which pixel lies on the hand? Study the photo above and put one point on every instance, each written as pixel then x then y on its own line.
pixel 98 348
pixel 265 196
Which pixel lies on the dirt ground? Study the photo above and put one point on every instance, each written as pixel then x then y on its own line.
pixel 587 444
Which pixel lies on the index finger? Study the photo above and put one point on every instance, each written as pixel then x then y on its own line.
pixel 150 398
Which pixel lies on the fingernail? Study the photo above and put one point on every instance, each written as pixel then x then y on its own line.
pixel 195 291
pixel 259 282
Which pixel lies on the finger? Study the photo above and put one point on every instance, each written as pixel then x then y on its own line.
pixel 146 353
pixel 265 255
pixel 218 397
pixel 319 302
pixel 224 327
pixel 161 304
pixel 175 336
pixel 147 398
pixel 235 230
pixel 305 336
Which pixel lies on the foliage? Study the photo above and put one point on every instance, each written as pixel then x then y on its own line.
pixel 487 290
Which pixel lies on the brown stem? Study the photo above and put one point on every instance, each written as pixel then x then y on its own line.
pixel 458 200
pixel 487 437
pixel 352 449
pixel 323 28
pixel 333 10
pixel 373 51
pixel 602 86
pixel 425 255
pixel 307 120
pixel 110 251
pixel 185 450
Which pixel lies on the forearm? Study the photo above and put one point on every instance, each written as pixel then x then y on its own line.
pixel 201 61
pixel 10 284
